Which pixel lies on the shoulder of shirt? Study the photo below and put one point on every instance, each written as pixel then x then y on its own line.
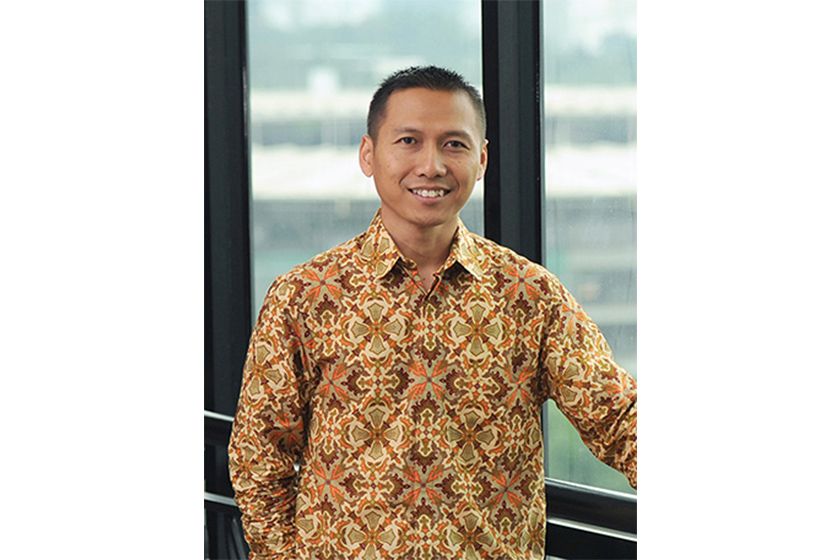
pixel 288 287
pixel 500 260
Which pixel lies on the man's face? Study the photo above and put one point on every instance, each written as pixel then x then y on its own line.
pixel 427 156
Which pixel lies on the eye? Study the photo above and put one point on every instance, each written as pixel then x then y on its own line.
pixel 456 144
pixel 407 140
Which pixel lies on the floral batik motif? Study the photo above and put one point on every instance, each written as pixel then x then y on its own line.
pixel 413 415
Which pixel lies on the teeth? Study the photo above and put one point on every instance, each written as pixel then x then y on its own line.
pixel 429 193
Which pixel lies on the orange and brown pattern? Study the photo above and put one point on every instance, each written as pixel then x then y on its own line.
pixel 414 416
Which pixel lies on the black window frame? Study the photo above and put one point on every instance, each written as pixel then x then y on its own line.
pixel 582 522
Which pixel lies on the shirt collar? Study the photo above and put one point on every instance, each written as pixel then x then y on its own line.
pixel 380 253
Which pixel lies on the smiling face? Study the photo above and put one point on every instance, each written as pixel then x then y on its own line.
pixel 428 153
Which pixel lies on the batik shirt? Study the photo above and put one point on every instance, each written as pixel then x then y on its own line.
pixel 381 420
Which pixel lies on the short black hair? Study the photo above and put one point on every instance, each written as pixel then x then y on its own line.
pixel 429 77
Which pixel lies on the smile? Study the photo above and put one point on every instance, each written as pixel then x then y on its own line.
pixel 429 193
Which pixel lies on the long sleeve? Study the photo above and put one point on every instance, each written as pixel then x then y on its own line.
pixel 268 430
pixel 596 394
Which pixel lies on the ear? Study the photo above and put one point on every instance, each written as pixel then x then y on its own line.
pixel 483 159
pixel 366 155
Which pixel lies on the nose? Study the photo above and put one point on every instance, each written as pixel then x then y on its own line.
pixel 430 162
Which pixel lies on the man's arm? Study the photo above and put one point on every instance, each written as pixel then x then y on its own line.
pixel 596 394
pixel 268 431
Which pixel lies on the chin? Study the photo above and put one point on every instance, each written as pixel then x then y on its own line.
pixel 435 219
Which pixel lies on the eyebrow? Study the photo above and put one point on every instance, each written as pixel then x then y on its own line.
pixel 459 133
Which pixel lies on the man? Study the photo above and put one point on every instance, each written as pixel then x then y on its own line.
pixel 390 404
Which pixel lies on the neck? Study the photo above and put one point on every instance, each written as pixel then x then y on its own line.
pixel 427 247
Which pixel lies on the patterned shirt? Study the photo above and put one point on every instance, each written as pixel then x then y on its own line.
pixel 414 415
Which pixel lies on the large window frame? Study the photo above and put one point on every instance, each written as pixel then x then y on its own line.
pixel 582 522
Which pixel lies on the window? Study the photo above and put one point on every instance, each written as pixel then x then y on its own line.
pixel 590 199
pixel 314 65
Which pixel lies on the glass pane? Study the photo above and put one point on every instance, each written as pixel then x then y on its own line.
pixel 313 67
pixel 590 164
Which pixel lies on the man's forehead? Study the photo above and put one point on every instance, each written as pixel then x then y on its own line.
pixel 420 110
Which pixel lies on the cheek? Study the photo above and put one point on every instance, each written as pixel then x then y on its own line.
pixel 388 177
pixel 469 172
pixel 395 170
pixel 384 165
